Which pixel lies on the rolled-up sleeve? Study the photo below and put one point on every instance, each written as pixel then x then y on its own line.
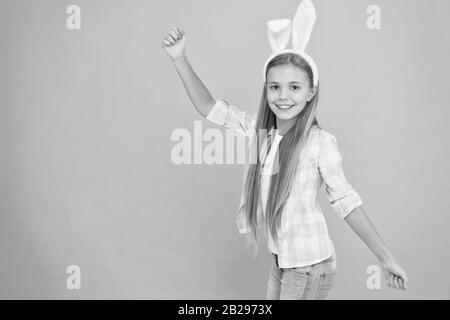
pixel 231 117
pixel 242 224
pixel 342 196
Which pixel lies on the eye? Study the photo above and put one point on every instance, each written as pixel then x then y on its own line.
pixel 296 87
pixel 273 87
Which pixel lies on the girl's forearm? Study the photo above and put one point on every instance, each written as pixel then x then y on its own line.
pixel 364 228
pixel 196 90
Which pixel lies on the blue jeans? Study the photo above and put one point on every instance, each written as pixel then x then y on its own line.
pixel 312 282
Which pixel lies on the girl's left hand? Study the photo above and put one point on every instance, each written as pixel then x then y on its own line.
pixel 395 275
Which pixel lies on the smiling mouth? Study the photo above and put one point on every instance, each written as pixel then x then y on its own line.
pixel 284 106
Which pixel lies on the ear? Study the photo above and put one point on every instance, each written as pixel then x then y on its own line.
pixel 312 94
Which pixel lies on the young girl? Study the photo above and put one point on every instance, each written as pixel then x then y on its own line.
pixel 280 190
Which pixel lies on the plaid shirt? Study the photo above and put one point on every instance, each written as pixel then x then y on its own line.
pixel 303 238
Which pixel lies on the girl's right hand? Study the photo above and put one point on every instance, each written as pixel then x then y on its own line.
pixel 175 43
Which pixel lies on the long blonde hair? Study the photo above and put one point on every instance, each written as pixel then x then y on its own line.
pixel 289 155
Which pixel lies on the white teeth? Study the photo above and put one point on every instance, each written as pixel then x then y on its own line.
pixel 284 106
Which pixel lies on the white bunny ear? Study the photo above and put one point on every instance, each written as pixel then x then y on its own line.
pixel 302 25
pixel 279 33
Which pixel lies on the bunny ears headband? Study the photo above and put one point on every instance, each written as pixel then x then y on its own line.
pixel 279 33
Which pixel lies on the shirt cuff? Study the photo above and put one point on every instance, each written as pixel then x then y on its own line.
pixel 218 113
pixel 347 203
pixel 242 224
pixel 244 231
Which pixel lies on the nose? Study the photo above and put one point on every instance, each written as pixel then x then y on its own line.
pixel 284 93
